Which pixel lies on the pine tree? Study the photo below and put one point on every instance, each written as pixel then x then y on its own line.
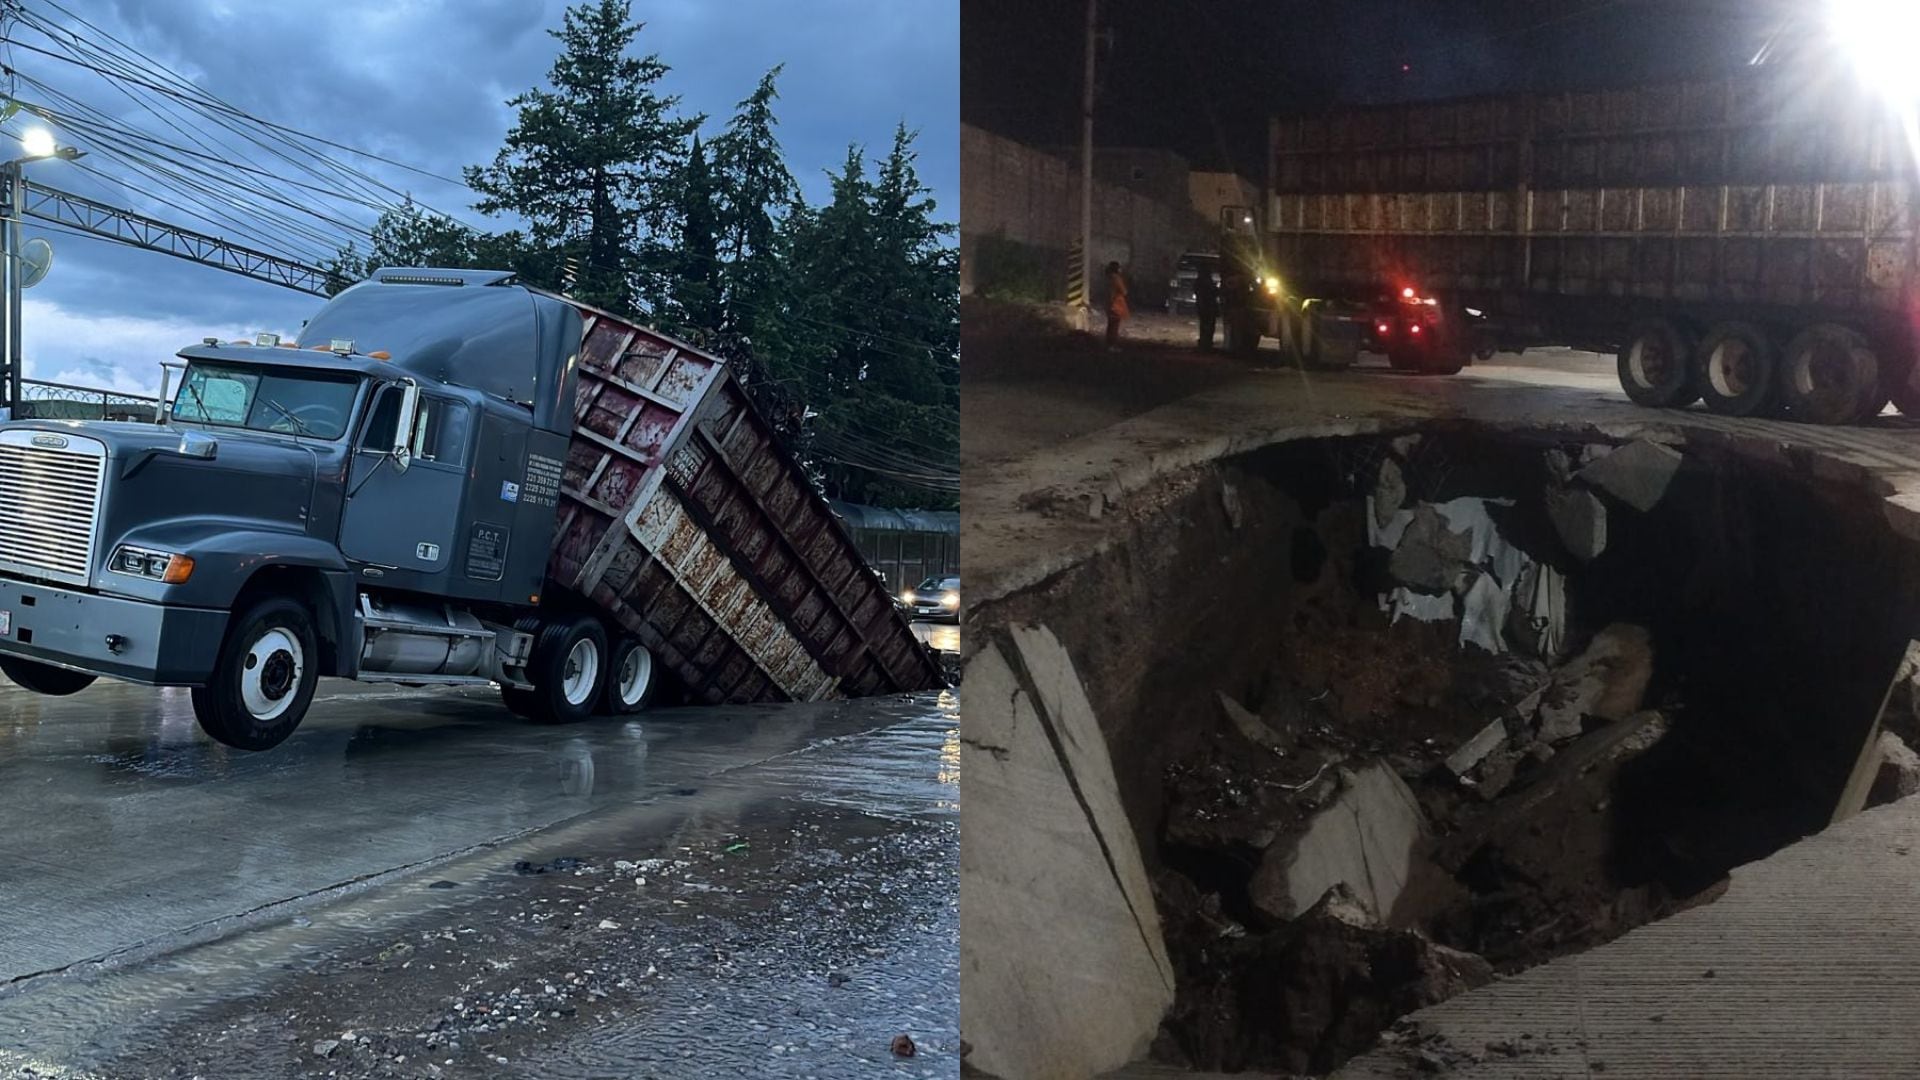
pixel 588 162
pixel 878 285
pixel 754 188
pixel 696 285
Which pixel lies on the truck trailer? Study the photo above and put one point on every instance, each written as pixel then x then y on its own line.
pixel 449 478
pixel 1745 239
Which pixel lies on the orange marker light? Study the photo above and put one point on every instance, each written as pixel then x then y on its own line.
pixel 179 569
pixel 381 355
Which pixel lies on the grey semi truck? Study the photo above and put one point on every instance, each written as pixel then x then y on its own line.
pixel 450 478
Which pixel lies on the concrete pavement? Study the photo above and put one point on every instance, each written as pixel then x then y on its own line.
pixel 1806 967
pixel 135 834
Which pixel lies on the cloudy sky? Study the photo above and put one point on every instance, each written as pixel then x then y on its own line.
pixel 425 82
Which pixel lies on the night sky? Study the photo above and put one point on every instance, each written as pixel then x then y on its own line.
pixel 425 82
pixel 1203 76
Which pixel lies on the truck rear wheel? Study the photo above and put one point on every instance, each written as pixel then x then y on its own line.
pixel 1830 375
pixel 568 669
pixel 44 678
pixel 1739 370
pixel 1656 365
pixel 630 680
pixel 264 678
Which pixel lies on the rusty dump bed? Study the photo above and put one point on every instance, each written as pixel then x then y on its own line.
pixel 1773 187
pixel 686 522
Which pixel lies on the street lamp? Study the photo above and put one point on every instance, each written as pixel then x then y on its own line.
pixel 36 144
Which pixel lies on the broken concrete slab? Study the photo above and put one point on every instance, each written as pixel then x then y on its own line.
pixel 1045 832
pixel 1607 681
pixel 1250 725
pixel 1424 607
pixel 1899 773
pixel 1430 555
pixel 1365 838
pixel 1389 491
pixel 1483 611
pixel 1475 750
pixel 1637 474
pixel 1580 520
pixel 1538 623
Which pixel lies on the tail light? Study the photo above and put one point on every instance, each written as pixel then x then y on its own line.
pixel 1380 328
pixel 1414 328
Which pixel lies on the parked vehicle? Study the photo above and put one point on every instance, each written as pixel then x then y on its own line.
pixel 1186 271
pixel 1746 239
pixel 937 598
pixel 451 478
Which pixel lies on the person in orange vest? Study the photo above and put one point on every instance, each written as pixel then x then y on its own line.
pixel 1117 310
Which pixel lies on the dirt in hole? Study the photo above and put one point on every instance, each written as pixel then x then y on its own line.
pixel 1387 816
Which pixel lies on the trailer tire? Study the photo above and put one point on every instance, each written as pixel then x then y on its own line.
pixel 44 678
pixel 630 678
pixel 568 669
pixel 1830 375
pixel 1656 365
pixel 1738 370
pixel 263 680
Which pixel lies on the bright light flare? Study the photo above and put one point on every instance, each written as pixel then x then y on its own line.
pixel 1877 37
pixel 37 142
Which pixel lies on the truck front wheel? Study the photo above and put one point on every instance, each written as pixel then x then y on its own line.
pixel 568 669
pixel 264 678
pixel 44 678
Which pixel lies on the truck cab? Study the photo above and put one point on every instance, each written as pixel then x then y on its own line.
pixel 375 500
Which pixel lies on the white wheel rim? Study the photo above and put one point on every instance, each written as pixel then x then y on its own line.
pixel 270 674
pixel 1729 369
pixel 636 671
pixel 582 672
pixel 1642 359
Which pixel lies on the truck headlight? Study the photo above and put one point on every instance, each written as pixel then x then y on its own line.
pixel 147 563
pixel 1272 285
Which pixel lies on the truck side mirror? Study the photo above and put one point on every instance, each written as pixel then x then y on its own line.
pixel 402 452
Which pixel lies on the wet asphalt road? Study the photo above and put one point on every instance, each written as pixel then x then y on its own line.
pixel 149 865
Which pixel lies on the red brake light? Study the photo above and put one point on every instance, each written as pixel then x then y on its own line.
pixel 1406 293
pixel 1414 329
pixel 1380 328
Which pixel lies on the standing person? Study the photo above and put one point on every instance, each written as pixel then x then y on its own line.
pixel 1117 310
pixel 1206 303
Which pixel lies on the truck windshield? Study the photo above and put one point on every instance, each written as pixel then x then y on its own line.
pixel 282 400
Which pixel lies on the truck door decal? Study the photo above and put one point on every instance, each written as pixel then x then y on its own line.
pixel 543 480
pixel 487 551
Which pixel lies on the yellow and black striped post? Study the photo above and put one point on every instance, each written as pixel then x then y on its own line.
pixel 1076 275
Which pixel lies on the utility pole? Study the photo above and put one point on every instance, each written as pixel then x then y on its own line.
pixel 1086 173
pixel 38 144
pixel 13 181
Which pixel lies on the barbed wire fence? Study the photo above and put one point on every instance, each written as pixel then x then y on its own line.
pixel 42 400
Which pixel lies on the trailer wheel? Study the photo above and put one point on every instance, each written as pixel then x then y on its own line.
pixel 1738 370
pixel 1656 365
pixel 264 678
pixel 568 669
pixel 1829 375
pixel 44 678
pixel 630 680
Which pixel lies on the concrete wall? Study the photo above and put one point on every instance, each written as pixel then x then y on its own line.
pixel 1020 199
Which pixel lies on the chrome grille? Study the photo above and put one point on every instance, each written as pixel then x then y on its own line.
pixel 49 504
